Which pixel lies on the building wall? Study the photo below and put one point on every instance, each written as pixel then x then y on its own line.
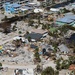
pixel 11 1
pixel 72 23
pixel 6 8
pixel 60 23
pixel 9 8
pixel 23 1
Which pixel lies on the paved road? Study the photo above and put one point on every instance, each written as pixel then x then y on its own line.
pixel 50 63
pixel 18 67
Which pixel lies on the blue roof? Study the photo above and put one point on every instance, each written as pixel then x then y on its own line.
pixel 71 17
pixel 40 53
pixel 7 3
pixel 28 7
pixel 15 5
pixel 67 19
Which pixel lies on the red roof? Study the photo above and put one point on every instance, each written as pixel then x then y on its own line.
pixel 72 67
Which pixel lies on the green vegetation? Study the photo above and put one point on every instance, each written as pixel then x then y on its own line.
pixel 29 38
pixel 36 26
pixel 17 43
pixel 58 65
pixel 67 27
pixel 45 26
pixel 37 56
pixel 65 10
pixel 1 66
pixel 73 11
pixel 27 32
pixel 72 72
pixel 39 68
pixel 72 59
pixel 53 29
pixel 20 32
pixel 74 50
pixel 49 71
pixel 14 28
pixel 30 22
pixel 12 19
pixel 64 64
pixel 64 29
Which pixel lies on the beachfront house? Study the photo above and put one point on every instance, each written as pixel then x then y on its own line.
pixel 69 20
pixel 55 10
pixel 36 35
pixel 48 48
pixel 70 6
pixel 44 33
pixel 63 49
pixel 11 8
pixel 72 67
pixel 33 37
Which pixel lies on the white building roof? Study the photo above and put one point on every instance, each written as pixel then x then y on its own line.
pixel 37 10
pixel 54 9
pixel 23 9
pixel 63 48
pixel 32 3
pixel 28 72
pixel 17 38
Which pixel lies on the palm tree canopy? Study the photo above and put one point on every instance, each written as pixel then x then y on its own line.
pixel 48 71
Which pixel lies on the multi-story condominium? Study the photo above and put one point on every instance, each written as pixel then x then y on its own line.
pixel 12 1
pixel 19 6
pixel 24 1
pixel 17 1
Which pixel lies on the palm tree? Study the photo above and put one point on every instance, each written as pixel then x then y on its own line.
pixel 74 50
pixel 17 43
pixel 39 68
pixel 58 65
pixel 14 28
pixel 37 56
pixel 48 71
pixel 65 64
pixel 73 10
pixel 20 32
pixel 1 66
pixel 5 18
pixel 57 72
pixel 29 38
pixel 72 60
pixel 30 22
pixel 38 18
